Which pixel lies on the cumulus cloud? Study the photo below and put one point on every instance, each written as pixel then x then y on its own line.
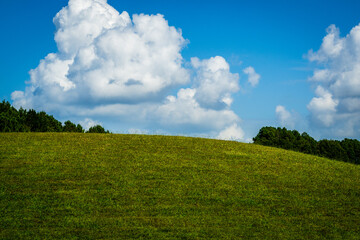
pixel 233 132
pixel 184 111
pixel 323 107
pixel 331 46
pixel 106 56
pixel 127 69
pixel 214 82
pixel 284 117
pixel 253 77
pixel 335 108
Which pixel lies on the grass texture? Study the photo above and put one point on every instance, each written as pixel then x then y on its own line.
pixel 112 186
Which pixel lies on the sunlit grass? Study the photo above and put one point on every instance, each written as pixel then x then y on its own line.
pixel 109 186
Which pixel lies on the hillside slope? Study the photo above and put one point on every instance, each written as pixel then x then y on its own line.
pixel 109 186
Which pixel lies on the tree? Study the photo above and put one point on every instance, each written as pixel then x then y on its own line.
pixel 332 149
pixel 266 136
pixel 9 118
pixel 97 129
pixel 307 144
pixel 69 127
pixel 12 120
pixel 352 148
pixel 347 150
pixel 79 129
pixel 32 120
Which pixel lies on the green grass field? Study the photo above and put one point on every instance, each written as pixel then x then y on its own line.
pixel 109 186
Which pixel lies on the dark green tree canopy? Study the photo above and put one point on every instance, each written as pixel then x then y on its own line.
pixel 347 150
pixel 97 129
pixel 12 120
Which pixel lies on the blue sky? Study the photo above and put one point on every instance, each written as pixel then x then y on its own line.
pixel 273 37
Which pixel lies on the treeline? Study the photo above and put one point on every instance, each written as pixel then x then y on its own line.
pixel 347 150
pixel 13 120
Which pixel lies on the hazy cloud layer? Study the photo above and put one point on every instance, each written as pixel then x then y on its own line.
pixel 125 69
pixel 335 109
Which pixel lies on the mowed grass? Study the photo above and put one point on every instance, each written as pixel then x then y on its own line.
pixel 109 186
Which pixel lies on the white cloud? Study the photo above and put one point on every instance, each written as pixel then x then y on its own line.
pixel 106 56
pixel 253 77
pixel 214 82
pixel 137 131
pixel 323 107
pixel 285 118
pixel 88 123
pixel 185 112
pixel 82 21
pixel 234 132
pixel 336 108
pixel 123 69
pixel 331 46
pixel 321 75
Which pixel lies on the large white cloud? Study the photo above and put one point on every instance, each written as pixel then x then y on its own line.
pixel 106 56
pixel 121 68
pixel 335 109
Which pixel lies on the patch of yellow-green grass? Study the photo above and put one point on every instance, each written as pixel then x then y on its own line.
pixel 109 186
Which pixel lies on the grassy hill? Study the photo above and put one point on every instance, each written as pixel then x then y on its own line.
pixel 107 186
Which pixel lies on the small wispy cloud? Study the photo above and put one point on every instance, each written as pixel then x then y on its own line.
pixel 253 77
